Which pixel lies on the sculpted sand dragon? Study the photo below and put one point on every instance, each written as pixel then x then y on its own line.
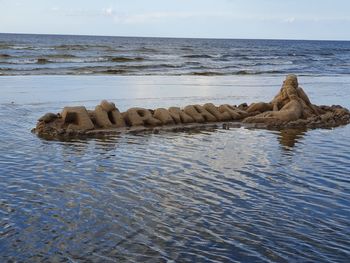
pixel 291 108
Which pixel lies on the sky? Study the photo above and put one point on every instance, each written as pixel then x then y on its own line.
pixel 254 19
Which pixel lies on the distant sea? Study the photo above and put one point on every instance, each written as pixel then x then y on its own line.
pixel 99 55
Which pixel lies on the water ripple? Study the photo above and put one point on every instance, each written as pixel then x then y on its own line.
pixel 219 196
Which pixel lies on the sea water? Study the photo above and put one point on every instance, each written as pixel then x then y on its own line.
pixel 86 55
pixel 208 195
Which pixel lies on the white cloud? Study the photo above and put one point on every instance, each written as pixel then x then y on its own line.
pixel 108 11
pixel 310 19
pixel 290 20
pixel 150 17
pixel 124 17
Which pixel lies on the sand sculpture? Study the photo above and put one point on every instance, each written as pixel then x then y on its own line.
pixel 291 108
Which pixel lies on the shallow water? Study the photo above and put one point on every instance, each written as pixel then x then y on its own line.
pixel 219 195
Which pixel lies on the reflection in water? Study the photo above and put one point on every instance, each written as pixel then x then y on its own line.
pixel 289 137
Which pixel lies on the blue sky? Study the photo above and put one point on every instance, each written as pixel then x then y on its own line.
pixel 281 19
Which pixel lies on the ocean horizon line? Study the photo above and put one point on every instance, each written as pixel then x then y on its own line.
pixel 174 37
